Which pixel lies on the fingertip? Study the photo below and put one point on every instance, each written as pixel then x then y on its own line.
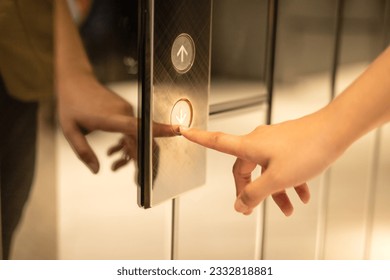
pixel 288 212
pixel 306 200
pixel 113 166
pixel 303 192
pixel 241 207
pixel 283 202
pixel 93 166
pixel 248 213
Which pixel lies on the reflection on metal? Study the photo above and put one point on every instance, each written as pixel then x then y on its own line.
pixel 237 104
pixel 272 28
pixel 337 44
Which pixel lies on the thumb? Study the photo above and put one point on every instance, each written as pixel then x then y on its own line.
pixel 83 150
pixel 254 193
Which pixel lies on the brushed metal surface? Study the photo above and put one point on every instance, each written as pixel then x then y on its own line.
pixel 170 166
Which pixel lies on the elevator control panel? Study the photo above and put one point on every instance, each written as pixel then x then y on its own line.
pixel 174 83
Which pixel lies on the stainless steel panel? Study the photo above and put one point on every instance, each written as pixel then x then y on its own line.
pixel 207 227
pixel 318 55
pixel 378 246
pixel 303 71
pixel 239 63
pixel 351 185
pixel 379 243
pixel 205 223
pixel 171 165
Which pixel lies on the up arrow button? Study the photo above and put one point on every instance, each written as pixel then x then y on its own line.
pixel 183 53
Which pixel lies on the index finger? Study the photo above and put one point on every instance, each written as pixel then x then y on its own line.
pixel 219 141
pixel 115 123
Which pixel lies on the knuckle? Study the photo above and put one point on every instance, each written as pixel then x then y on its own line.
pixel 275 177
pixel 245 146
pixel 238 172
pixel 249 199
pixel 236 168
pixel 216 138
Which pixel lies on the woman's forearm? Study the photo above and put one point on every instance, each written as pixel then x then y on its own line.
pixel 363 106
pixel 71 60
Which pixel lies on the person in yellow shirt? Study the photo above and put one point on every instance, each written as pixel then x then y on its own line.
pixel 26 77
pixel 41 56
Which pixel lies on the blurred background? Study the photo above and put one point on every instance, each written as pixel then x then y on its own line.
pixel 321 47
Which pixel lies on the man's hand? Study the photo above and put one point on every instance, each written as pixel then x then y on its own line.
pixel 84 105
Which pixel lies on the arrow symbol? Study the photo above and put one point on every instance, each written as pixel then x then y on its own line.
pixel 182 51
pixel 181 117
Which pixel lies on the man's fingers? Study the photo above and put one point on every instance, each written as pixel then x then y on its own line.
pixel 115 123
pixel 222 142
pixel 165 130
pixel 114 149
pixel 120 163
pixel 82 149
pixel 129 125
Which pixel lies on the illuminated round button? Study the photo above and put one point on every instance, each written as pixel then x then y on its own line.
pixel 181 113
pixel 183 53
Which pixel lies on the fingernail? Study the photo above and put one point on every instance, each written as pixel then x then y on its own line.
pixel 93 166
pixel 241 207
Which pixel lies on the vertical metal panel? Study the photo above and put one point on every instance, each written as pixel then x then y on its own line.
pixel 379 246
pixel 351 182
pixel 378 243
pixel 207 225
pixel 304 55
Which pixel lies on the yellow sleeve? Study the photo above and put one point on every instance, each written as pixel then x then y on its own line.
pixel 26 48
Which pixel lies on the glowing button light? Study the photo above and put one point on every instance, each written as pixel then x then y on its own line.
pixel 181 113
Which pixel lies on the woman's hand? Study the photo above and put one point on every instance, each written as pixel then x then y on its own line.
pixel 289 154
